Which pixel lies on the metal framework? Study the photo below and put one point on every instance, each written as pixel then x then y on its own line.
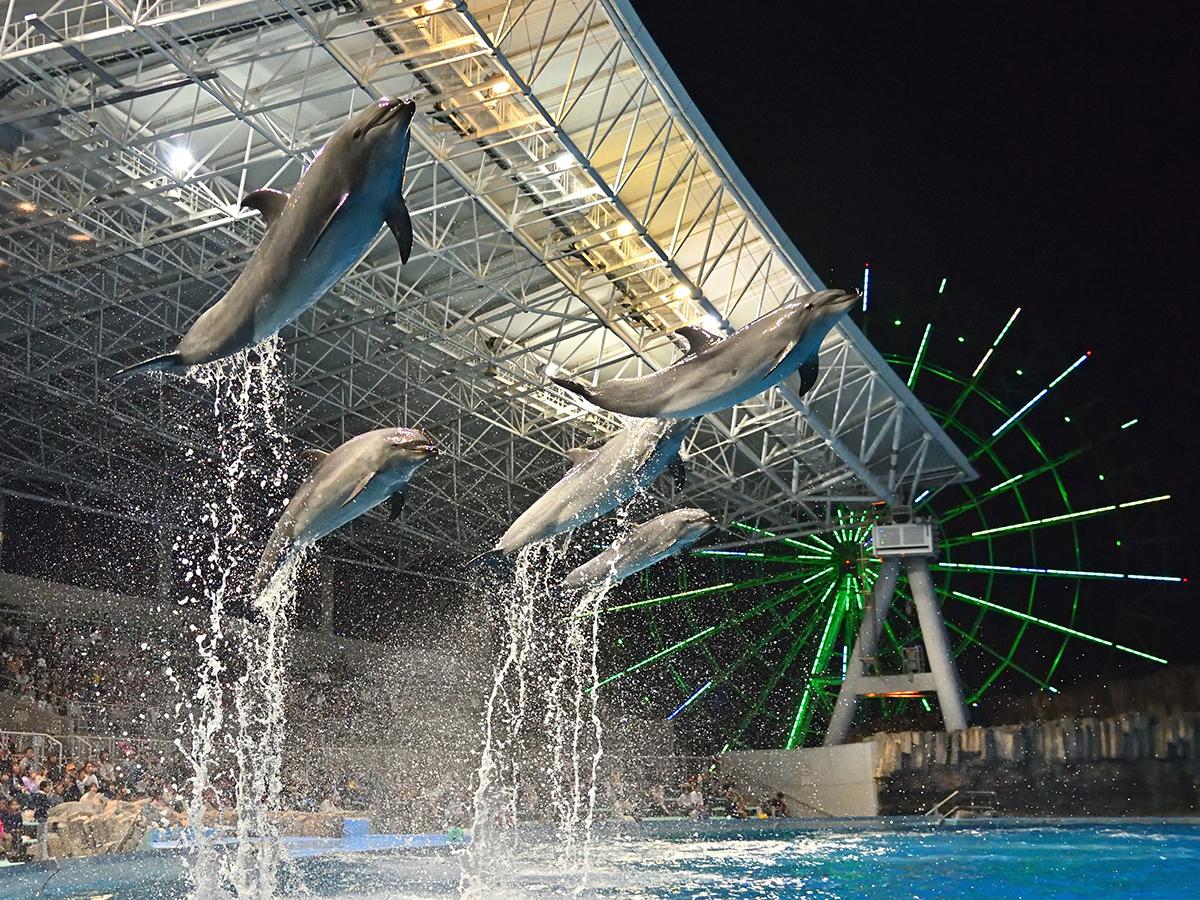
pixel 570 206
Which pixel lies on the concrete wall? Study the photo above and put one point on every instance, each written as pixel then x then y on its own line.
pixel 1131 764
pixel 835 781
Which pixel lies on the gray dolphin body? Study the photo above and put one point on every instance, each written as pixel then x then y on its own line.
pixel 598 482
pixel 641 547
pixel 344 484
pixel 313 237
pixel 721 372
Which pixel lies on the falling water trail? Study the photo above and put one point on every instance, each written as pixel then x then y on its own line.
pixel 237 757
pixel 548 663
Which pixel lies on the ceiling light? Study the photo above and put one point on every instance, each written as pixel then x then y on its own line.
pixel 682 292
pixel 180 160
pixel 26 207
pixel 432 6
pixel 551 370
pixel 79 237
pixel 712 323
pixel 564 161
pixel 624 229
pixel 500 87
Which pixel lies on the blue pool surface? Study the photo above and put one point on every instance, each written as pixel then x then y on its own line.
pixel 780 858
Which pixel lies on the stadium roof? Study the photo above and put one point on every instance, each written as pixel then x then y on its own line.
pixel 570 204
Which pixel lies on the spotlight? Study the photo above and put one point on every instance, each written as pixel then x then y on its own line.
pixel 682 292
pixel 712 323
pixel 624 229
pixel 500 87
pixel 180 160
pixel 563 161
pixel 26 207
pixel 432 6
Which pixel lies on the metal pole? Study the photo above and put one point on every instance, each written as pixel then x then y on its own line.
pixel 937 645
pixel 864 645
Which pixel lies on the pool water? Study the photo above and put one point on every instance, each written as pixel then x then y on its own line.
pixel 994 858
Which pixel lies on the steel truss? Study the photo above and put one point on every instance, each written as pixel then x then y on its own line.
pixel 570 206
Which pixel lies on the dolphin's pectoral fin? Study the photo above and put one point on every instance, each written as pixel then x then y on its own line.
pixel 396 505
pixel 401 228
pixel 575 388
pixel 810 370
pixel 678 472
pixel 358 488
pixel 495 562
pixel 167 362
pixel 778 361
pixel 328 222
pixel 268 201
pixel 697 338
pixel 579 455
pixel 312 456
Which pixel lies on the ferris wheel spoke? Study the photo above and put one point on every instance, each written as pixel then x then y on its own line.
pixel 799 730
pixel 704 634
pixel 1009 484
pixel 1054 573
pixel 992 651
pixel 700 592
pixel 723 674
pixel 1048 521
pixel 979 369
pixel 1054 626
pixel 1030 404
pixel 789 660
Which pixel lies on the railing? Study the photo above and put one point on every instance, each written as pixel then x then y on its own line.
pixel 37 740
pixel 967 801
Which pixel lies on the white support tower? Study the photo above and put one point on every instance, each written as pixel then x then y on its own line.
pixel 912 546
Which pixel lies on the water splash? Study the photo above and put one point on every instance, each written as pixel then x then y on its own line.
pixel 546 674
pixel 235 715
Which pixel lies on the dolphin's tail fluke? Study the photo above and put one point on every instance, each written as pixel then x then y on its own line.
pixel 576 387
pixel 167 362
pixel 494 561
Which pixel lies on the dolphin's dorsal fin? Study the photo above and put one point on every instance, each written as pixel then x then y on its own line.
pixel 396 504
pixel 697 338
pixel 400 225
pixel 312 456
pixel 328 221
pixel 268 201
pixel 578 455
pixel 810 370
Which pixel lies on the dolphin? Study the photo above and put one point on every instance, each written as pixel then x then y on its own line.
pixel 344 484
pixel 597 483
pixel 720 372
pixel 314 235
pixel 641 547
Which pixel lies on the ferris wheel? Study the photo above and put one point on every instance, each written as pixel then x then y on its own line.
pixel 759 644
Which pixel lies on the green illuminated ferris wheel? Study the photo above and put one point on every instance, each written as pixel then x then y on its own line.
pixel 758 637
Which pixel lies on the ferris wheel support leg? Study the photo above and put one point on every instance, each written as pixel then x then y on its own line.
pixel 864 646
pixel 937 644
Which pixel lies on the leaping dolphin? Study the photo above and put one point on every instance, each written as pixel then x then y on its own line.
pixel 641 547
pixel 344 484
pixel 313 237
pixel 721 372
pixel 598 482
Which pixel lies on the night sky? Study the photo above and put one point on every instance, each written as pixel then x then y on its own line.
pixel 1037 156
